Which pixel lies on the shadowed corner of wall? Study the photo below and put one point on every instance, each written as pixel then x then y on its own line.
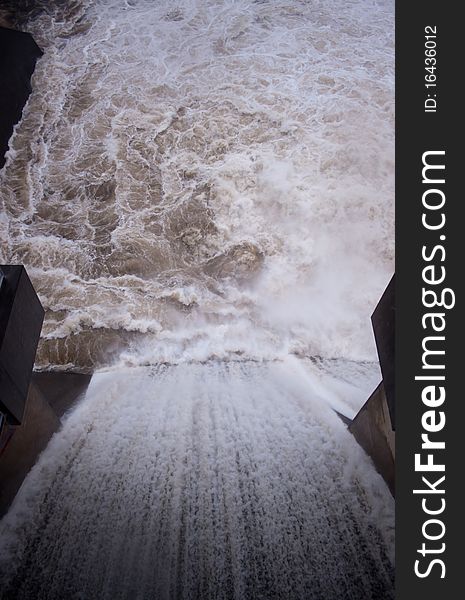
pixel 31 404
pixel 18 55
pixel 374 425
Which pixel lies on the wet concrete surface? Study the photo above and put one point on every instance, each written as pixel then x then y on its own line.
pixel 62 390
pixel 372 429
pixel 25 445
pixel 50 397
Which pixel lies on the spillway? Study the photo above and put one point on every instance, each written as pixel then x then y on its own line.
pixel 219 480
pixel 202 193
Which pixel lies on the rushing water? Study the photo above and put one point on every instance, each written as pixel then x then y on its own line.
pixel 202 193
pixel 201 482
pixel 207 178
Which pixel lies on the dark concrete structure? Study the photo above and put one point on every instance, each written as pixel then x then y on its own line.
pixel 62 390
pixel 384 322
pixel 373 426
pixel 31 404
pixel 50 396
pixel 373 431
pixel 25 445
pixel 21 318
pixel 18 56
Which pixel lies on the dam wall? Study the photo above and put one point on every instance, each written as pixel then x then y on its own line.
pixel 373 430
pixel 31 404
pixel 374 425
pixel 18 56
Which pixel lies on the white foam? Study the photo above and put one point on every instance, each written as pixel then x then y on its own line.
pixel 229 478
pixel 164 137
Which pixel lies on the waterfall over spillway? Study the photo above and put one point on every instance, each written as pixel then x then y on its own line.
pixel 201 481
pixel 202 191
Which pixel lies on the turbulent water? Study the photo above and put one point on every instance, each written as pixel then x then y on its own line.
pixel 203 179
pixel 198 482
pixel 202 193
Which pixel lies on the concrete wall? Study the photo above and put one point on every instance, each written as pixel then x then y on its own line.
pixel 21 318
pixel 31 404
pixel 50 396
pixel 25 445
pixel 373 431
pixel 383 320
pixel 18 55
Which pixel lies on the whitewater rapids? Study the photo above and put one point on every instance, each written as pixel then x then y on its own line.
pixel 222 480
pixel 204 179
pixel 202 193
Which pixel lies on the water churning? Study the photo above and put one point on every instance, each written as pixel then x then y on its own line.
pixel 202 193
pixel 222 480
pixel 205 179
